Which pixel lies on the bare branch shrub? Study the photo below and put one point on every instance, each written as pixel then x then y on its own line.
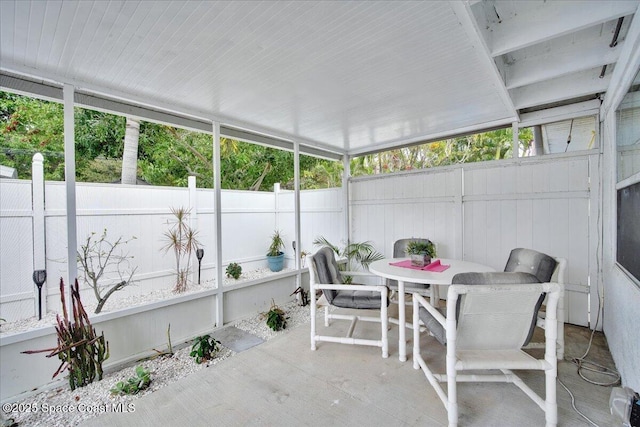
pixel 99 259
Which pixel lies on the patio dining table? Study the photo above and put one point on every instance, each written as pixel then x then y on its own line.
pixel 384 268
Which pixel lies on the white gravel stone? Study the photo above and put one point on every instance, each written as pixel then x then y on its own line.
pixel 92 400
pixel 115 303
pixel 96 398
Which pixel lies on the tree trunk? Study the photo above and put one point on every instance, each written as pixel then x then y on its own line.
pixel 130 153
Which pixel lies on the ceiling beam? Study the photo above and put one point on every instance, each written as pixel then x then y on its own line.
pixel 556 114
pixel 627 66
pixel 112 93
pixel 560 89
pixel 433 137
pixel 470 25
pixel 559 61
pixel 553 19
pixel 51 92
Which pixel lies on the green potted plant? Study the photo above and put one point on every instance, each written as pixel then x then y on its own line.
pixel 421 252
pixel 275 256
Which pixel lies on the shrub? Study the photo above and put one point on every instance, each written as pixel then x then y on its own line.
pixel 98 257
pixel 134 384
pixel 234 270
pixel 276 318
pixel 204 348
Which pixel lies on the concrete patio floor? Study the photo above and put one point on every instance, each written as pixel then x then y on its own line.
pixel 282 382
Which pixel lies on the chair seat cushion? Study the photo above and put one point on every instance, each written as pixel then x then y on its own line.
pixel 357 299
pixel 432 325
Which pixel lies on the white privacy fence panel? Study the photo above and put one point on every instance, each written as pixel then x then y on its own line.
pixel 479 212
pixel 425 204
pixel 321 214
pixel 16 246
pixel 543 205
pixel 248 220
pixel 124 211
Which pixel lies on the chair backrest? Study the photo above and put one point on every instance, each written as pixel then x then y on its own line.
pixel 495 317
pixel 521 307
pixel 560 271
pixel 400 251
pixel 400 246
pixel 529 261
pixel 324 269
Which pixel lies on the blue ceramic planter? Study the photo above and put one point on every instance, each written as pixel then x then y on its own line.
pixel 276 263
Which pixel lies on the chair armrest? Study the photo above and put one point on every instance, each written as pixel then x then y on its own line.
pixel 376 288
pixel 431 309
pixel 359 274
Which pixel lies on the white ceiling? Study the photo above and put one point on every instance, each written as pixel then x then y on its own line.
pixel 351 76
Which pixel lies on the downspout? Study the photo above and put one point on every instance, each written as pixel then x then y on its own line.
pixel 538 144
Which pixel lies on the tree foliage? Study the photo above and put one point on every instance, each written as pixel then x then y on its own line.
pixel 168 156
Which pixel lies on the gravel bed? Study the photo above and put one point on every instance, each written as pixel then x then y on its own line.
pixel 115 303
pixel 94 399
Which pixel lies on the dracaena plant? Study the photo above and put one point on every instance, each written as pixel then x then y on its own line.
pixel 182 240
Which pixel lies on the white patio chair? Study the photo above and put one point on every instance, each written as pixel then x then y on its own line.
pixel 485 327
pixel 324 275
pixel 546 269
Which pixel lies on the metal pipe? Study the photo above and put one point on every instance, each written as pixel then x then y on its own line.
pixel 616 33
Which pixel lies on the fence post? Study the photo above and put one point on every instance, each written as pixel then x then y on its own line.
pixel 38 230
pixel 193 223
pixel 276 205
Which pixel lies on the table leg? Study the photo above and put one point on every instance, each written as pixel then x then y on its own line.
pixel 434 296
pixel 402 320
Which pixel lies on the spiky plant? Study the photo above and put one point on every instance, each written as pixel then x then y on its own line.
pixel 277 244
pixel 80 350
pixel 358 254
pixel 182 241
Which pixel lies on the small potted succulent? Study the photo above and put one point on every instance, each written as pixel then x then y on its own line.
pixel 421 252
pixel 275 256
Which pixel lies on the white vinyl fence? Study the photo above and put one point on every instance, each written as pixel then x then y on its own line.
pixel 479 212
pixel 248 220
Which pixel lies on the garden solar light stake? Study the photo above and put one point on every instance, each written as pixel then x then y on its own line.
pixel 39 277
pixel 199 255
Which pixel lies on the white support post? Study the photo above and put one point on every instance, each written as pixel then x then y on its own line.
pixel 346 173
pixel 296 186
pixel 516 140
pixel 276 205
pixel 70 185
pixel 39 236
pixel 193 222
pixel 217 184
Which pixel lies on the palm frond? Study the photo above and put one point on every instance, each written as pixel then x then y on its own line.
pixel 322 241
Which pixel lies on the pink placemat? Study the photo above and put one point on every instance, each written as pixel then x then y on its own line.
pixel 435 266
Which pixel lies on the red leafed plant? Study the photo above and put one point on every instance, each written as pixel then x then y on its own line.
pixel 79 348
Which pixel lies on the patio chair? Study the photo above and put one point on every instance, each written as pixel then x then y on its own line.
pixel 400 251
pixel 546 269
pixel 324 275
pixel 488 319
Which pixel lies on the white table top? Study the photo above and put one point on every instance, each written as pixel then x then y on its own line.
pixel 382 268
